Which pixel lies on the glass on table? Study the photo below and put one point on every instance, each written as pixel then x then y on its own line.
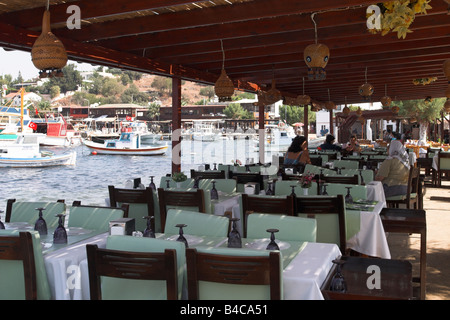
pixel 269 190
pixel 272 244
pixel 234 237
pixel 348 197
pixel 152 184
pixel 338 283
pixel 293 190
pixel 214 193
pixel 324 191
pixel 60 234
pixel 148 232
pixel 40 225
pixel 181 237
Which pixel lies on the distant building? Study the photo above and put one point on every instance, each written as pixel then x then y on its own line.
pixel 28 98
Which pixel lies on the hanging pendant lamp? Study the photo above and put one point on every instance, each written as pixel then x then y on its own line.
pixel 330 105
pixel 48 53
pixel 303 99
pixel 366 89
pixel 385 100
pixel 316 57
pixel 224 87
pixel 346 109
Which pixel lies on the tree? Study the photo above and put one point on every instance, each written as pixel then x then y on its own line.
pixel 162 84
pixel 293 114
pixel 235 111
pixel 55 91
pixel 111 87
pixel 425 111
pixel 133 95
pixel 70 82
pixel 153 110
pixel 207 91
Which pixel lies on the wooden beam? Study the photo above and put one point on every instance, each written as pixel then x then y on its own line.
pixel 176 124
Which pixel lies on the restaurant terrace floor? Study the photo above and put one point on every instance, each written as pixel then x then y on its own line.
pixel 403 246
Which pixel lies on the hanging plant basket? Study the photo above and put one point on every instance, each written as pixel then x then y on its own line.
pixel 48 53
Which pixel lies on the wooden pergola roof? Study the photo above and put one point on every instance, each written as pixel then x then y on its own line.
pixel 262 40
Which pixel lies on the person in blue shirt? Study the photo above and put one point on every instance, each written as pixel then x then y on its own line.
pixel 297 152
pixel 329 144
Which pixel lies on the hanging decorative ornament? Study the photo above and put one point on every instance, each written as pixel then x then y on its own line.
pixel 316 57
pixel 48 53
pixel 273 94
pixel 346 110
pixel 447 74
pixel 386 100
pixel 361 119
pixel 366 90
pixel 290 101
pixel 316 106
pixel 303 99
pixel 395 109
pixel 359 111
pixel 330 105
pixel 224 87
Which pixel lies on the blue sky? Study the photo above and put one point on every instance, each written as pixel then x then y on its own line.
pixel 11 62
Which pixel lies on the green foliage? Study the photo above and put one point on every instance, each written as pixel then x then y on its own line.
pixel 54 91
pixel 207 91
pixel 293 114
pixel 163 84
pixel 425 112
pixel 111 87
pixel 235 111
pixel 153 110
pixel 133 95
pixel 242 95
pixel 179 176
pixel 70 82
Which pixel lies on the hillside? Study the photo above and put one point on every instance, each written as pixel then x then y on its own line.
pixel 190 90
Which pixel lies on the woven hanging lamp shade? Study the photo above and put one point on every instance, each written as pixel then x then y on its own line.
pixel 366 90
pixel 346 110
pixel 361 119
pixel 48 53
pixel 359 111
pixel 395 109
pixel 291 101
pixel 224 87
pixel 304 100
pixel 316 57
pixel 330 105
pixel 272 95
pixel 386 101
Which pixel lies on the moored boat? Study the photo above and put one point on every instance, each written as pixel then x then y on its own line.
pixel 25 153
pixel 129 143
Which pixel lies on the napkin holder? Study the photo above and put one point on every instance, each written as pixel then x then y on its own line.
pixel 122 226
pixel 251 188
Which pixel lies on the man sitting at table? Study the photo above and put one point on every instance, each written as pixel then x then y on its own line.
pixel 394 170
pixel 352 145
pixel 329 144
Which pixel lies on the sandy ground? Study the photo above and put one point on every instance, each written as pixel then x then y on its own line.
pixel 438 243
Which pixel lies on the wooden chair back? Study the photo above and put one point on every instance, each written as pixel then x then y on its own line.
pixel 265 204
pixel 208 174
pixel 443 166
pixel 341 179
pixel 133 197
pixel 243 178
pixel 181 200
pixel 233 270
pixel 131 265
pixel 21 248
pixel 325 205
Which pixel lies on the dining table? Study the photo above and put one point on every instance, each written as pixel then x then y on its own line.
pixel 305 264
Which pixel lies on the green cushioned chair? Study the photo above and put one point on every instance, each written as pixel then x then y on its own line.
pixel 411 199
pixel 113 288
pixel 356 191
pixel 25 211
pixel 224 185
pixel 367 175
pixel 290 228
pixel 347 164
pixel 188 183
pixel 283 188
pixel 94 217
pixel 142 203
pixel 249 274
pixel 201 224
pixel 15 275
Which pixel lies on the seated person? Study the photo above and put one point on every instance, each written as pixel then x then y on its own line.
pixel 297 152
pixel 352 145
pixel 394 171
pixel 329 144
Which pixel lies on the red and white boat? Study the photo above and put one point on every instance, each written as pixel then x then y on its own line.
pixel 129 143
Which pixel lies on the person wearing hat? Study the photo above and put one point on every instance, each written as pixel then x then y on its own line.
pixel 329 144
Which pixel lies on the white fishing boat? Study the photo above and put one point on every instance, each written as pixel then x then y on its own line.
pixel 129 143
pixel 25 153
pixel 205 131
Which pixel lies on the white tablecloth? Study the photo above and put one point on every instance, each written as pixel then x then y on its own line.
pixel 67 269
pixel 371 238
pixel 375 192
pixel 305 274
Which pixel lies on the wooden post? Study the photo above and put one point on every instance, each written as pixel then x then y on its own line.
pixel 261 132
pixel 331 122
pixel 176 124
pixel 306 122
